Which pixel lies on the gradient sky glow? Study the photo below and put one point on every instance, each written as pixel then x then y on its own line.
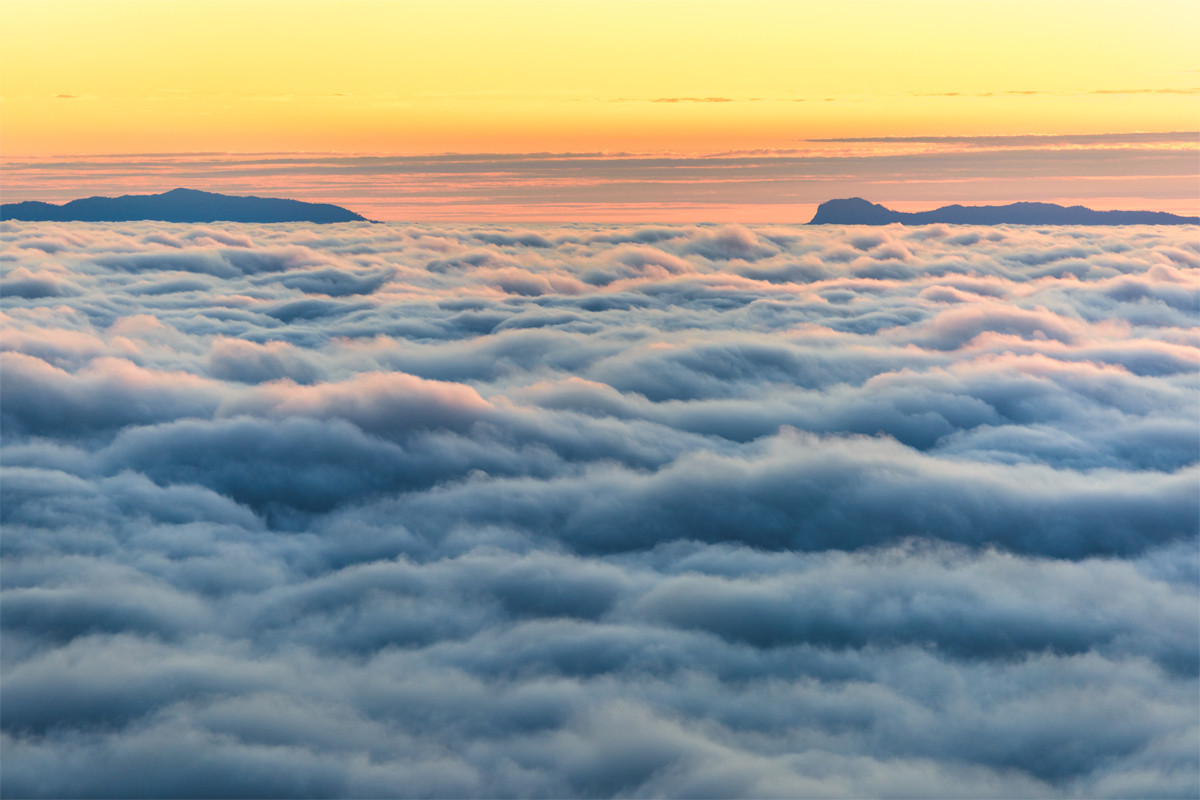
pixel 640 77
pixel 589 470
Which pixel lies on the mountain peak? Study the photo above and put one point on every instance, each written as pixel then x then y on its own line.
pixel 857 211
pixel 868 213
pixel 180 205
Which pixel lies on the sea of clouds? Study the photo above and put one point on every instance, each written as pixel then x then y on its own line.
pixel 701 511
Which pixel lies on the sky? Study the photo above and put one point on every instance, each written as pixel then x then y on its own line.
pixel 587 472
pixel 471 510
pixel 786 104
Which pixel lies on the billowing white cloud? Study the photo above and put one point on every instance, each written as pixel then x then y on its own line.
pixel 378 510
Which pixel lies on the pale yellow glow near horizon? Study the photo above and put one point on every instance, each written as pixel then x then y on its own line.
pixel 97 76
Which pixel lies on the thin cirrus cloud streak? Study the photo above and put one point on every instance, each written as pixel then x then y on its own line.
pixel 1152 171
pixel 590 510
pixel 998 93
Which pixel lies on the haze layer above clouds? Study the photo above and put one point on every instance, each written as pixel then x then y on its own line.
pixel 1146 171
pixel 379 510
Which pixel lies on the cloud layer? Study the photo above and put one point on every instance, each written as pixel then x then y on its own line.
pixel 400 510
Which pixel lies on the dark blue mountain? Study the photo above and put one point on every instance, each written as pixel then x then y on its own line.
pixel 856 211
pixel 179 205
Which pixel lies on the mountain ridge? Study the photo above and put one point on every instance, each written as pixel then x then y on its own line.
pixel 179 205
pixel 857 211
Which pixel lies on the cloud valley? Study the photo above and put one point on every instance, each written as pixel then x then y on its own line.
pixel 592 510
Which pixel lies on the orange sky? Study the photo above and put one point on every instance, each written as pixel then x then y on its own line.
pixel 639 76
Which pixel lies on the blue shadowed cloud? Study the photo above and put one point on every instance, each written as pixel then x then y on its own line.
pixel 598 510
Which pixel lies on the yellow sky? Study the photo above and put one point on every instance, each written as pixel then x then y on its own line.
pixel 95 76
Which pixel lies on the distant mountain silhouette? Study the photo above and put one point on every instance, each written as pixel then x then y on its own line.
pixel 856 211
pixel 179 205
